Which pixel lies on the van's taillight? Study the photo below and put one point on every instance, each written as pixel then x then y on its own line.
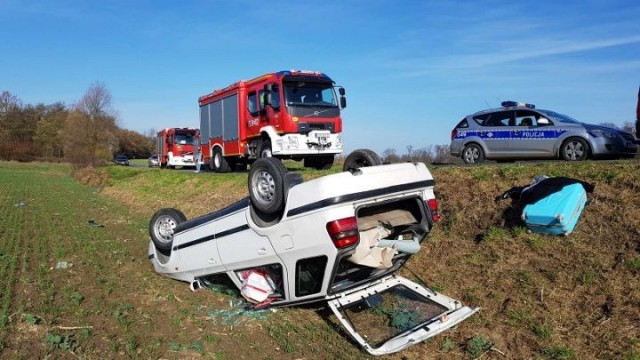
pixel 454 133
pixel 343 232
pixel 433 207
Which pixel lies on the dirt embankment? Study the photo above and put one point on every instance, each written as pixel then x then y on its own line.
pixel 540 296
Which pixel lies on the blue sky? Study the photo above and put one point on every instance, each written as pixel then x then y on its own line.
pixel 412 69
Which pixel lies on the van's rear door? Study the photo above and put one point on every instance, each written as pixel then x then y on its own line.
pixel 395 313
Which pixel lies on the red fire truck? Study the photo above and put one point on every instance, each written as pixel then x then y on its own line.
pixel 175 146
pixel 288 114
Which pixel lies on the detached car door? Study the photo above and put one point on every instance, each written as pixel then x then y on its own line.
pixel 395 313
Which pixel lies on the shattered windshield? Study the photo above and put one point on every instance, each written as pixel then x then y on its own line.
pixel 391 313
pixel 310 94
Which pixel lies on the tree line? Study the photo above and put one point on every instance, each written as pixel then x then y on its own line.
pixel 432 154
pixel 85 133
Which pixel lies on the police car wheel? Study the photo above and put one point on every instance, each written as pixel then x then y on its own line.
pixel 472 154
pixel 161 227
pixel 574 149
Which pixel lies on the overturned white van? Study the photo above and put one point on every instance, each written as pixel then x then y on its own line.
pixel 339 239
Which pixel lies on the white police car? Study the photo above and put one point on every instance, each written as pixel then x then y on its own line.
pixel 520 131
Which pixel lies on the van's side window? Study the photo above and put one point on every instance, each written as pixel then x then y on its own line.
pixel 309 275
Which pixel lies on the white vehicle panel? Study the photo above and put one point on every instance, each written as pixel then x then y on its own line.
pixel 443 313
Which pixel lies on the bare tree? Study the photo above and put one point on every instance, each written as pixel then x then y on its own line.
pixel 409 156
pixel 442 155
pixel 389 155
pixel 9 106
pixel 423 155
pixel 8 102
pixel 96 102
pixel 90 131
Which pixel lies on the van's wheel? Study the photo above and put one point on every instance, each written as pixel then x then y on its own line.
pixel 574 149
pixel 262 219
pixel 161 227
pixel 266 185
pixel 218 163
pixel 472 154
pixel 361 158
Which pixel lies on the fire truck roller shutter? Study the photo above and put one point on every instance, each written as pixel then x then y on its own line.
pixel 231 120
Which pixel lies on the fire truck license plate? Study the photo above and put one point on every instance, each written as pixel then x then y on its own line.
pixel 322 138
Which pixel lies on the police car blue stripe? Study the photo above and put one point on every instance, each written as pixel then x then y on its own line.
pixel 510 134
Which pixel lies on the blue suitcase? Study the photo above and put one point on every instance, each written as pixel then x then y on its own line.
pixel 557 213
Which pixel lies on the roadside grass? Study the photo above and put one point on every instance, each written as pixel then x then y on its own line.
pixel 481 253
pixel 536 291
pixel 540 296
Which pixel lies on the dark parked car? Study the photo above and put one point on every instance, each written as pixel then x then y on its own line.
pixel 121 160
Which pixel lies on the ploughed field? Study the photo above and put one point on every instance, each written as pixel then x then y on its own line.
pixel 75 281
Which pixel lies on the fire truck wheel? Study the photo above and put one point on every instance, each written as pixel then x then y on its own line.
pixel 361 158
pixel 161 227
pixel 266 185
pixel 218 163
pixel 265 149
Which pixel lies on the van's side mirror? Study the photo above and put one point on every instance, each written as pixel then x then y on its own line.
pixel 543 122
pixel 341 91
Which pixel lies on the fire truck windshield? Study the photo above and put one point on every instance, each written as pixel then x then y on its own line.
pixel 304 93
pixel 184 139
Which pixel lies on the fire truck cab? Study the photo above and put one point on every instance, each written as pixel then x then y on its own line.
pixel 175 147
pixel 288 114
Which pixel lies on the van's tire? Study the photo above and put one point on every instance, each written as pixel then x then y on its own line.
pixel 361 158
pixel 218 163
pixel 161 227
pixel 472 154
pixel 574 149
pixel 262 219
pixel 266 185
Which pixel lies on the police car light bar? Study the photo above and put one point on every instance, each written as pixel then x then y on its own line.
pixel 515 103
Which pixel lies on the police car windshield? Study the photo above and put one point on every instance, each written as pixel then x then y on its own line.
pixel 560 117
